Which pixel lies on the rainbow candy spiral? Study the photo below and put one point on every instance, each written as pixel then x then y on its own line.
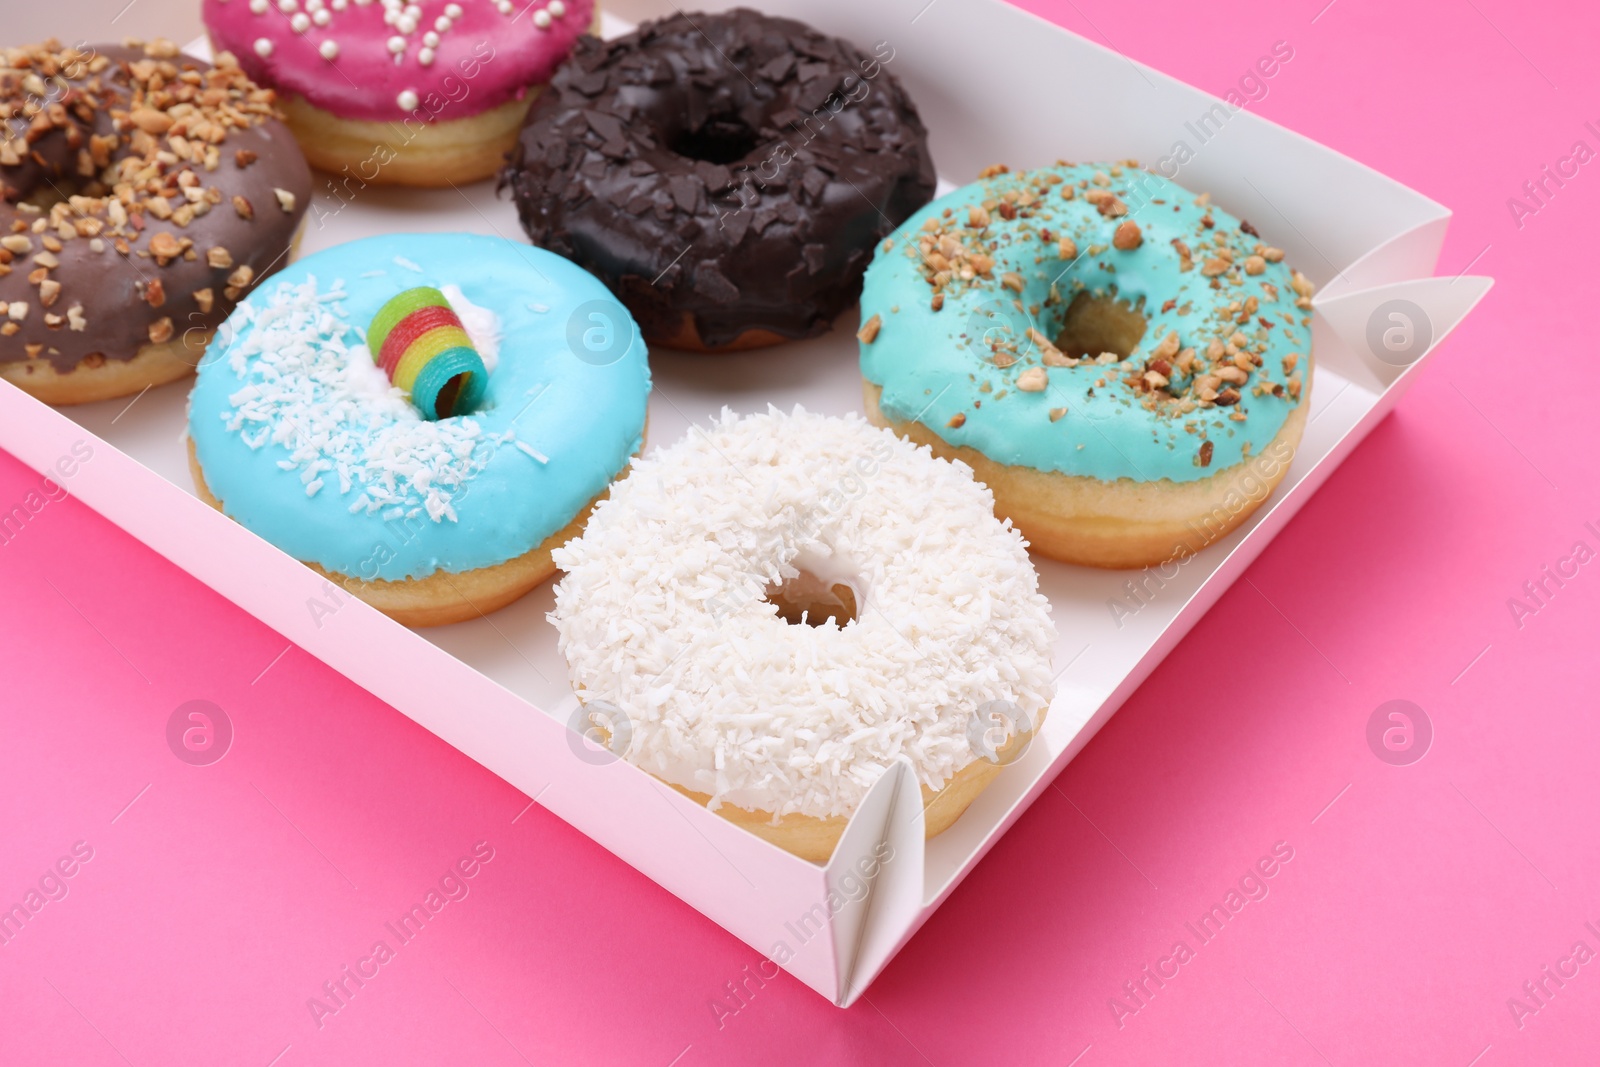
pixel 421 345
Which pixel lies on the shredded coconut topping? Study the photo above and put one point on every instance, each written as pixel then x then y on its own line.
pixel 310 385
pixel 663 613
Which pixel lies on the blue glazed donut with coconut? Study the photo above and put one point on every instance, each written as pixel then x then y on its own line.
pixel 439 507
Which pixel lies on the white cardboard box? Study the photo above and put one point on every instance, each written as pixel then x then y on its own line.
pixel 495 688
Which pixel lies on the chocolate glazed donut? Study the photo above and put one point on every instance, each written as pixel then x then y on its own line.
pixel 142 193
pixel 727 176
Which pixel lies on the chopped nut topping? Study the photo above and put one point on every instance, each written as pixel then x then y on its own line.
pixel 1033 380
pixel 958 420
pixel 1066 248
pixel 285 200
pixel 1185 257
pixel 19 243
pixel 1107 203
pixel 1128 236
pixel 164 247
pixel 219 258
pixel 155 294
pixel 243 207
pixel 203 299
pixel 869 330
pixel 1049 354
pixel 49 291
pixel 1057 413
pixel 150 120
pixel 1254 265
pixel 161 330
pixel 1206 450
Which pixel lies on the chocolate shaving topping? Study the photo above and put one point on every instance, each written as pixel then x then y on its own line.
pixel 777 155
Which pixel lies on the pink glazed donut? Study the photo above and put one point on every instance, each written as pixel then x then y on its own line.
pixel 401 92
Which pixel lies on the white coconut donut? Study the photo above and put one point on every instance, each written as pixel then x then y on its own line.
pixel 682 604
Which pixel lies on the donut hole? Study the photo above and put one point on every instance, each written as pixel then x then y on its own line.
pixel 450 395
pixel 809 600
pixel 1097 322
pixel 43 195
pixel 720 139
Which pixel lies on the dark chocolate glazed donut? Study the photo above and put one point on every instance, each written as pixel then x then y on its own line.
pixel 726 175
pixel 142 193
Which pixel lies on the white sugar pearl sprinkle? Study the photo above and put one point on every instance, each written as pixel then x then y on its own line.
pixel 288 7
pixel 541 19
pixel 397 44
pixel 431 39
pixel 453 10
pixel 322 18
pixel 425 57
pixel 339 5
pixel 259 7
pixel 442 23
pixel 406 25
pixel 407 100
pixel 263 47
pixel 557 9
pixel 329 50
pixel 300 23
pixel 503 6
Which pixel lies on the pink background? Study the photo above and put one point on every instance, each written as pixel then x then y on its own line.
pixel 1418 900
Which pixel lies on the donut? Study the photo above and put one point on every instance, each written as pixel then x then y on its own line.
pixel 769 612
pixel 298 434
pixel 726 175
pixel 142 193
pixel 426 93
pixel 1124 363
